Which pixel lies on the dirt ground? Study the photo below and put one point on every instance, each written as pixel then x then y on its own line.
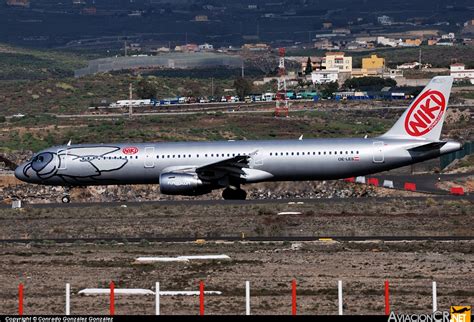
pixel 45 266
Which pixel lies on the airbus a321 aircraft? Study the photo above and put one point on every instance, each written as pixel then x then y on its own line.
pixel 195 168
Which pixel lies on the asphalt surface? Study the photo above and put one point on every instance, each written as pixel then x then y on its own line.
pixel 424 182
pixel 240 239
pixel 231 202
pixel 229 108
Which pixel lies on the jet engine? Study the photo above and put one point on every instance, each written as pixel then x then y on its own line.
pixel 183 184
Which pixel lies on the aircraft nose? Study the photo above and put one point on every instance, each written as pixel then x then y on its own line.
pixel 19 173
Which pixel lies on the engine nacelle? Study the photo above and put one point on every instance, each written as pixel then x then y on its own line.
pixel 183 184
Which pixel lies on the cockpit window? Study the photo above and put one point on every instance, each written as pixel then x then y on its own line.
pixel 38 158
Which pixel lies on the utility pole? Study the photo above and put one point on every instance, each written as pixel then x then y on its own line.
pixel 125 47
pixel 130 107
pixel 212 87
pixel 281 98
pixel 419 58
pixel 243 69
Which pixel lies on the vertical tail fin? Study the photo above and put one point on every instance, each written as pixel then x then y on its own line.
pixel 425 116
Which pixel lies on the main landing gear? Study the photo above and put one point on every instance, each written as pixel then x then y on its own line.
pixel 234 194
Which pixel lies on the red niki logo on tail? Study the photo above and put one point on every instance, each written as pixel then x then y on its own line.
pixel 425 113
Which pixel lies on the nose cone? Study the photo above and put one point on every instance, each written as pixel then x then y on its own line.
pixel 19 173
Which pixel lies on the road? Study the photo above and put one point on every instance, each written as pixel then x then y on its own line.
pixel 226 109
pixel 231 202
pixel 240 239
pixel 424 182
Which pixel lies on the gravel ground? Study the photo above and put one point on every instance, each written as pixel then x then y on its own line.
pixel 270 267
pixel 410 266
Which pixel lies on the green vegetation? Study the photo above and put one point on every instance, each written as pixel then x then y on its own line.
pixel 467 161
pixel 309 67
pixel 374 82
pixel 466 94
pixel 20 63
pixel 328 89
pixel 437 56
pixel 41 131
pixel 75 95
pixel 242 86
pixel 146 89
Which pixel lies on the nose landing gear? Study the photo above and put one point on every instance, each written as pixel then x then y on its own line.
pixel 66 198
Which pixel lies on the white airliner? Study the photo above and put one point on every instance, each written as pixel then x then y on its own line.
pixel 195 168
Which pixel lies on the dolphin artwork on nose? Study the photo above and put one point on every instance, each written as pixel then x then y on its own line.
pixel 73 165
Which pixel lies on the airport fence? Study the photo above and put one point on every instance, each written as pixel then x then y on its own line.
pixel 174 60
pixel 446 159
pixel 112 293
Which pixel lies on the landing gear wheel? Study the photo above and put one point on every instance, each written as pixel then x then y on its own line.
pixel 234 194
pixel 66 199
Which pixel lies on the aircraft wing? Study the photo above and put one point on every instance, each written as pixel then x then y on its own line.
pixel 228 167
pixel 236 169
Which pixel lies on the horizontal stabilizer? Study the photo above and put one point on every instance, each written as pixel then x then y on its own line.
pixel 428 147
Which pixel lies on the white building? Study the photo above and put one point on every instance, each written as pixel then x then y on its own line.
pixel 385 20
pixel 325 76
pixel 460 73
pixel 381 40
pixel 448 36
pixel 337 60
pixel 206 47
pixel 412 65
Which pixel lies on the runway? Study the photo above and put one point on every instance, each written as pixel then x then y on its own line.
pixel 232 202
pixel 121 239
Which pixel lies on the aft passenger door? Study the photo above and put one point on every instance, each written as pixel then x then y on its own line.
pixel 149 157
pixel 378 154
